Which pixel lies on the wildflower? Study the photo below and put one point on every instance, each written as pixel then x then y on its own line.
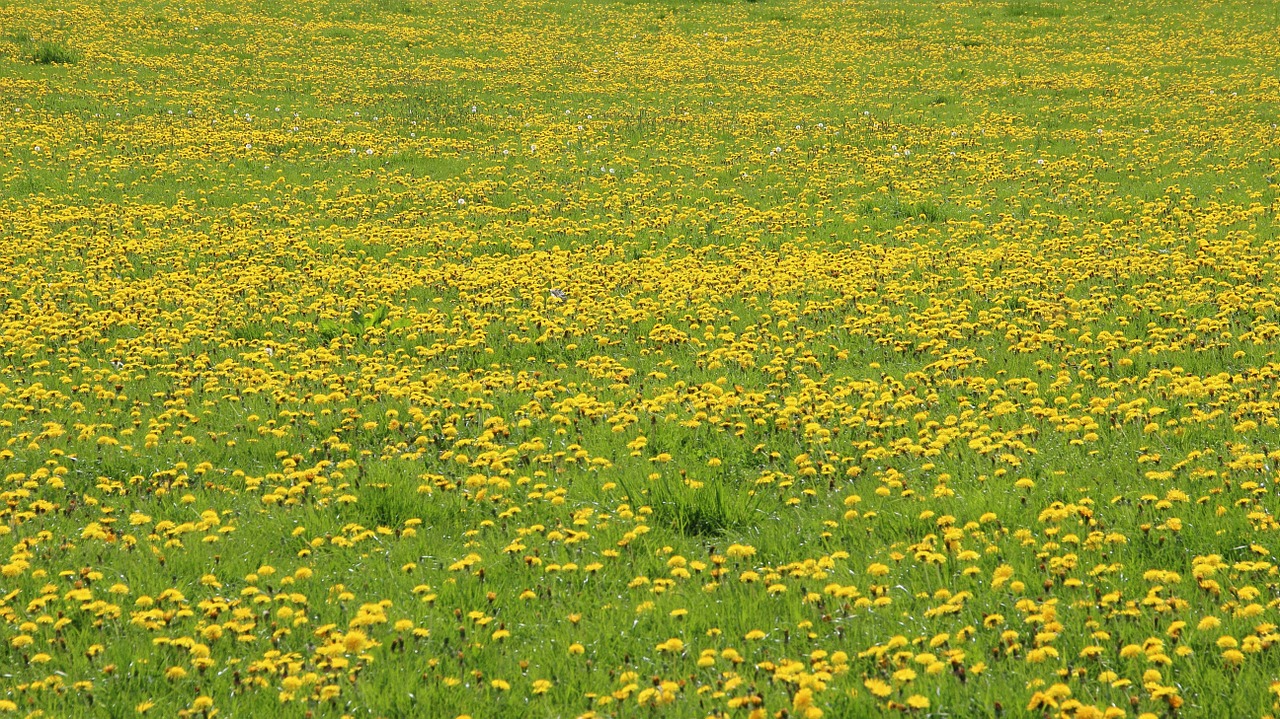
pixel 918 702
pixel 878 687
pixel 672 645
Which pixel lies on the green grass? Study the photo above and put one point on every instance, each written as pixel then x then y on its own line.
pixel 40 52
pixel 46 53
pixel 561 330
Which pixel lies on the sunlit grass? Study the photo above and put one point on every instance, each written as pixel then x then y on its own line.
pixel 718 358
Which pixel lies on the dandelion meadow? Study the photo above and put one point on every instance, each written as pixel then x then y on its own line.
pixel 652 358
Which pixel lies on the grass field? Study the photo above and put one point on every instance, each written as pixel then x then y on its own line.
pixel 790 358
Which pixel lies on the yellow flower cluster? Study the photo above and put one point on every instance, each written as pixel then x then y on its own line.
pixel 777 359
